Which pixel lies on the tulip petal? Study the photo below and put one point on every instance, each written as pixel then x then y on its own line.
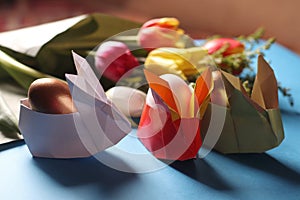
pixel 114 59
pixel 160 32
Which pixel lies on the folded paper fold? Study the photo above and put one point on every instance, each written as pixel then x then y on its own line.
pixel 97 125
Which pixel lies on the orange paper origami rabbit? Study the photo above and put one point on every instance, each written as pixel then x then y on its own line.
pixel 170 124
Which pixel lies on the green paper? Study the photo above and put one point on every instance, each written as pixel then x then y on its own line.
pixel 248 127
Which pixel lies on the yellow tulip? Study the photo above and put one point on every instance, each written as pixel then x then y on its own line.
pixel 181 62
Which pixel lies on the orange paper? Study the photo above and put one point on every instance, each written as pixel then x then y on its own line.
pixel 170 124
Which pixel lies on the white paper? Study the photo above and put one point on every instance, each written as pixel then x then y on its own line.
pixel 97 125
pixel 30 40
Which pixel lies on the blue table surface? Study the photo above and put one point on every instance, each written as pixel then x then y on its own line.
pixel 271 175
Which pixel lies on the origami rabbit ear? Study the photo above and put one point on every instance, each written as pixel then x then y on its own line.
pixel 85 71
pixel 98 114
pixel 232 83
pixel 265 89
pixel 203 88
pixel 162 88
pixel 204 85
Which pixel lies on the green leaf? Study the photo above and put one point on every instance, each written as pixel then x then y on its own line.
pixel 22 74
pixel 3 73
pixel 8 122
pixel 257 34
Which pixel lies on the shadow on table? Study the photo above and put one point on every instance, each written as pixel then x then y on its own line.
pixel 11 145
pixel 80 171
pixel 201 171
pixel 267 164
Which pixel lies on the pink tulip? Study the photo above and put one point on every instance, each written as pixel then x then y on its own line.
pixel 113 59
pixel 161 32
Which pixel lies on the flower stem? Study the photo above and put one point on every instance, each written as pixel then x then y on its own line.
pixel 23 75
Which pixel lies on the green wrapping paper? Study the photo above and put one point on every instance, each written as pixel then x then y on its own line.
pixel 55 58
pixel 251 125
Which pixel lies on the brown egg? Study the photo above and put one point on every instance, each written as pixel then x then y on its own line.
pixel 50 95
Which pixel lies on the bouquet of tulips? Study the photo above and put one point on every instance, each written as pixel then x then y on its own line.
pixel 186 82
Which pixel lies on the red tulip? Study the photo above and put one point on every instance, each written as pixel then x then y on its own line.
pixel 113 59
pixel 234 46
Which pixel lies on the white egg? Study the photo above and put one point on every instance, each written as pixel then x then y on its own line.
pixel 128 100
